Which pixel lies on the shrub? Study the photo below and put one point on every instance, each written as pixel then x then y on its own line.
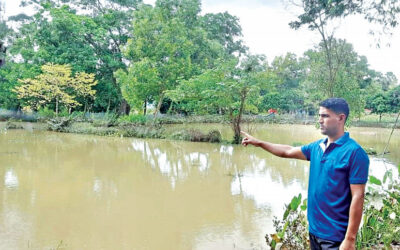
pixel 197 136
pixel 133 118
pixel 381 226
pixel 46 113
pixel 292 230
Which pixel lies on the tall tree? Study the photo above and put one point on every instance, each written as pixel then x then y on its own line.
pixel 349 73
pixel 224 28
pixel 167 39
pixel 317 13
pixel 317 16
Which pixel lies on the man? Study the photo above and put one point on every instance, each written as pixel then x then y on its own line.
pixel 338 173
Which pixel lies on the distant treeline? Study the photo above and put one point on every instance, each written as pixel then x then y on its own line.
pixel 123 55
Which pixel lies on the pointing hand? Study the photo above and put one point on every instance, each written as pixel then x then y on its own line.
pixel 248 139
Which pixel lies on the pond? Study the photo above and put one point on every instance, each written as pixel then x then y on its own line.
pixel 70 191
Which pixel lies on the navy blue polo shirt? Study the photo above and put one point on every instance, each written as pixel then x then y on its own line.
pixel 332 170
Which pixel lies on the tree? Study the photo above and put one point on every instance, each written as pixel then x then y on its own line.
pixel 316 16
pixel 224 28
pixel 89 42
pixel 394 99
pixel 287 96
pixel 317 13
pixel 140 84
pixel 169 40
pixel 349 70
pixel 55 85
pixel 9 75
pixel 379 105
pixel 230 88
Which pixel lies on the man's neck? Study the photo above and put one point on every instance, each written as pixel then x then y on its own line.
pixel 334 138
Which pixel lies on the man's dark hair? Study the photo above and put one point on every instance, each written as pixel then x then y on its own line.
pixel 337 105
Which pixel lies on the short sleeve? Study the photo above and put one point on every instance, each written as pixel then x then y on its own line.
pixel 359 166
pixel 306 149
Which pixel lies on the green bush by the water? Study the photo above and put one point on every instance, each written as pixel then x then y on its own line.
pixel 197 136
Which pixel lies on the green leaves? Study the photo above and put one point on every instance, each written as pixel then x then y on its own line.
pixel 388 174
pixel 294 204
pixel 55 85
pixel 374 180
pixel 398 169
pixel 169 46
pixel 292 230
pixel 304 206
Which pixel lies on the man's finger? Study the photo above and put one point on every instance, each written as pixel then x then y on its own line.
pixel 244 133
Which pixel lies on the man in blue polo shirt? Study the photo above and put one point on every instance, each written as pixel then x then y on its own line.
pixel 338 173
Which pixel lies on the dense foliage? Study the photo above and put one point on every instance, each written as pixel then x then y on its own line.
pixel 170 58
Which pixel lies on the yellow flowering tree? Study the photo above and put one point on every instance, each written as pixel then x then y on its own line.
pixel 56 85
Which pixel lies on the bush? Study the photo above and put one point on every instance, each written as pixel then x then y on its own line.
pixel 133 118
pixel 292 230
pixel 46 113
pixel 104 120
pixel 381 225
pixel 197 136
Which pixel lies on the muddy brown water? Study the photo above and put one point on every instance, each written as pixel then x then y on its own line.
pixel 67 191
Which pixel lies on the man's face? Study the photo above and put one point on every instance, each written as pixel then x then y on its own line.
pixel 330 122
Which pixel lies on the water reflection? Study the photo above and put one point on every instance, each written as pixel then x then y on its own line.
pixel 123 193
pixel 10 179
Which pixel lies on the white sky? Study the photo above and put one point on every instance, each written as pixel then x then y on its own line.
pixel 266 31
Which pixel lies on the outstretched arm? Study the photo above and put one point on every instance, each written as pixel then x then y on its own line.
pixel 285 151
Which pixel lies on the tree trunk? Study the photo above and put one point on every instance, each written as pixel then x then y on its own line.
pixel 124 108
pixel 145 107
pixel 238 119
pixel 170 107
pixel 159 104
pixel 109 104
pixel 380 117
pixel 57 106
pixel 236 130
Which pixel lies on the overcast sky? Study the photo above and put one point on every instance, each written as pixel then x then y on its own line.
pixel 266 31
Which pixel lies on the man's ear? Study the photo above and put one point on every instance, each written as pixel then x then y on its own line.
pixel 342 117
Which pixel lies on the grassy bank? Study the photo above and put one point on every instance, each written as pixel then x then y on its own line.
pixel 105 124
pixel 155 130
pixel 107 119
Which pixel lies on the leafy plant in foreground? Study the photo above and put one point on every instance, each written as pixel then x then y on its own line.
pixel 292 230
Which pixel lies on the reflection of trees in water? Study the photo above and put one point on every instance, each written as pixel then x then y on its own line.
pixel 178 159
pixel 139 187
pixel 78 181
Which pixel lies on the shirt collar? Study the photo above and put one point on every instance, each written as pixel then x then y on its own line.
pixel 344 138
pixel 340 141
